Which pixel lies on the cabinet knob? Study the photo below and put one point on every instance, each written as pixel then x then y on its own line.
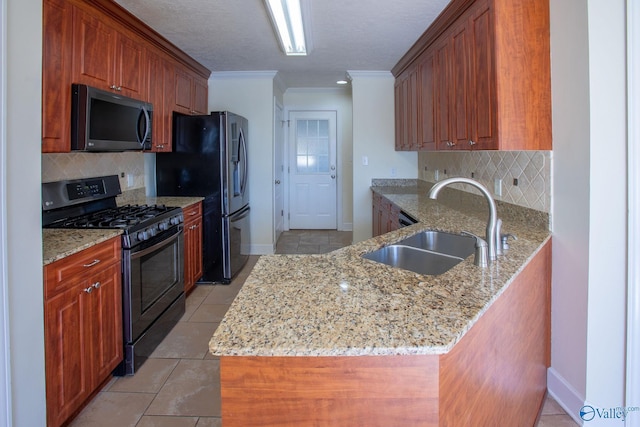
pixel 472 142
pixel 89 289
pixel 96 285
pixel 450 143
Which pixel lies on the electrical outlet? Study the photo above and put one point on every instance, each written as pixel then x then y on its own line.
pixel 497 187
pixel 436 174
pixel 393 172
pixel 365 161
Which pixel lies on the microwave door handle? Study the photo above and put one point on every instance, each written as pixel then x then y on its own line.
pixel 144 113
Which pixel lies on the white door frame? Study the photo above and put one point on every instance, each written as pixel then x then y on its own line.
pixel 278 162
pixel 633 243
pixel 5 373
pixel 339 166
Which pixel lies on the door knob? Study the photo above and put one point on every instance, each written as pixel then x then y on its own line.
pixel 333 177
pixel 277 181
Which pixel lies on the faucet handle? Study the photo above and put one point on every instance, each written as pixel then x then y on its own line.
pixel 481 257
pixel 504 240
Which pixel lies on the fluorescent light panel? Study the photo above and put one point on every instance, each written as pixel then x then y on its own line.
pixel 287 18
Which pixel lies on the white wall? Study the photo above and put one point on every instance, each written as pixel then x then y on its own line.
pixel 250 94
pixel 373 137
pixel 607 228
pixel 589 203
pixel 340 101
pixel 21 214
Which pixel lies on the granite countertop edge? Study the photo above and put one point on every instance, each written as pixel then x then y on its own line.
pixel 339 304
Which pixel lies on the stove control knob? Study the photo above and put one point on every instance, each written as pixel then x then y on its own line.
pixel 142 235
pixel 164 225
pixel 151 232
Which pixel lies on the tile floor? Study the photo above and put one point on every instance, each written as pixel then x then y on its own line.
pixel 179 385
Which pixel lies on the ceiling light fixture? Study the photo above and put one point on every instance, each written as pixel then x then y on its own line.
pixel 342 82
pixel 286 16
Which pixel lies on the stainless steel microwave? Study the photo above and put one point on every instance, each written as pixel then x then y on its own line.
pixel 105 121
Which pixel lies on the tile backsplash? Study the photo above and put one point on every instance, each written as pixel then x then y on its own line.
pixel 531 169
pixel 129 166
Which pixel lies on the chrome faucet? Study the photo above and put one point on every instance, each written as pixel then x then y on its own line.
pixel 493 216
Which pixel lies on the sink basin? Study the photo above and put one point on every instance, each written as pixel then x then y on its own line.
pixel 442 242
pixel 414 259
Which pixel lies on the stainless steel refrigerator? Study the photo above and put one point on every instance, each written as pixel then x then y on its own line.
pixel 210 159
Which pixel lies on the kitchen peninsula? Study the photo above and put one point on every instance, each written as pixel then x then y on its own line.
pixel 336 339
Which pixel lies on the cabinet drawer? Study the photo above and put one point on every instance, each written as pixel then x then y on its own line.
pixel 192 212
pixel 66 272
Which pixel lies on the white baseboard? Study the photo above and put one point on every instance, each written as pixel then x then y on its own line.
pixel 566 396
pixel 261 249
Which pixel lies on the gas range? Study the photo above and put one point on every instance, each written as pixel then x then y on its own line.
pixel 153 299
pixel 91 203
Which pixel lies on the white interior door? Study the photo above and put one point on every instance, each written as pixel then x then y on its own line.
pixel 312 170
pixel 278 172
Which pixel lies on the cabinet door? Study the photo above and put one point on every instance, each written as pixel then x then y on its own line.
pixel 481 71
pixel 182 91
pixel 129 67
pixel 56 76
pixel 461 119
pixel 156 95
pixel 443 93
pixel 67 352
pixel 428 92
pixel 94 47
pixel 399 121
pixel 106 323
pixel 200 96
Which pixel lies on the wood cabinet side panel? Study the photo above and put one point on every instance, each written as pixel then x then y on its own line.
pixel 523 74
pixel 329 391
pixel 496 375
pixel 56 76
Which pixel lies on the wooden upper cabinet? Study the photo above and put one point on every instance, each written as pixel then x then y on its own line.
pixel 191 93
pixel 102 45
pixel 105 58
pixel 56 75
pixel 492 77
pixel 159 76
pixel 407 110
pixel 428 99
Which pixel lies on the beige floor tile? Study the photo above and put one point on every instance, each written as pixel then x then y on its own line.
pixel 209 422
pixel 209 313
pixel 551 407
pixel 192 389
pixel 556 421
pixel 222 294
pixel 187 340
pixel 148 379
pixel 109 409
pixel 163 421
pixel 200 291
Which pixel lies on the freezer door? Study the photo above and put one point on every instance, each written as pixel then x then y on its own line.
pixel 236 240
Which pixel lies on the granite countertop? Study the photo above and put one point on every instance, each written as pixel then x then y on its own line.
pixel 58 243
pixel 339 304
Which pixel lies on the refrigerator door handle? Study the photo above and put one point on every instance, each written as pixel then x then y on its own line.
pixel 240 215
pixel 243 146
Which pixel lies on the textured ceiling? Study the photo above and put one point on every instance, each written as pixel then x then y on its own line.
pixel 236 35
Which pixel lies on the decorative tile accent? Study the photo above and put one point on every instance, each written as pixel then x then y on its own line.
pixel 56 167
pixel 532 169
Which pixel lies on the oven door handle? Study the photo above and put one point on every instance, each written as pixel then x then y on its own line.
pixel 165 242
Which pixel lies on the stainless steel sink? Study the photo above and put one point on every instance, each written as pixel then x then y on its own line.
pixel 417 260
pixel 429 252
pixel 442 242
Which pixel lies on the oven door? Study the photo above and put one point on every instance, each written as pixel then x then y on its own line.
pixel 153 278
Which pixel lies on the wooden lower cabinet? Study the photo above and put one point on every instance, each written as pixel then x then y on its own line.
pixel 83 327
pixel 192 246
pixel 494 376
pixel 385 215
